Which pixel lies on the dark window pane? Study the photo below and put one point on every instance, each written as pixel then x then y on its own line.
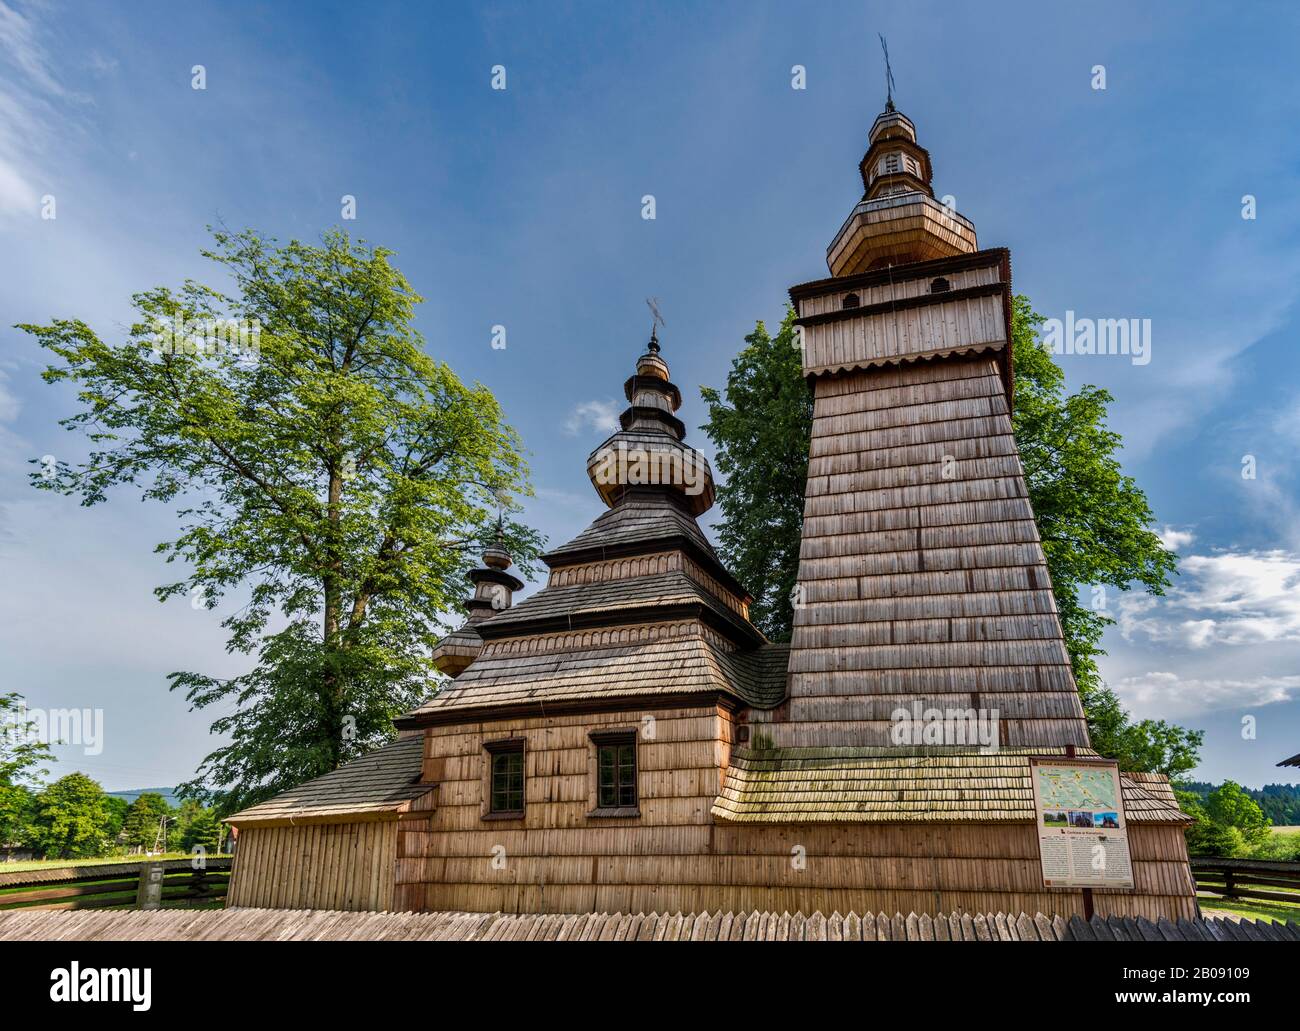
pixel 507 781
pixel 616 775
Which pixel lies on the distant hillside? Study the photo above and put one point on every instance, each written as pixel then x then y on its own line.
pixel 167 793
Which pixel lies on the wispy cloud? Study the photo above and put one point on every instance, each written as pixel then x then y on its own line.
pixel 601 416
pixel 30 93
pixel 1173 539
pixel 1171 696
pixel 1227 598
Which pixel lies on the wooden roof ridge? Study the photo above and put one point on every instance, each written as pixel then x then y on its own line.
pixel 246 924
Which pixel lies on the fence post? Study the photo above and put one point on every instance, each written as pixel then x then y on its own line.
pixel 149 894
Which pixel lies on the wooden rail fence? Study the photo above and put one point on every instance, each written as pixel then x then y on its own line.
pixel 1244 878
pixel 122 885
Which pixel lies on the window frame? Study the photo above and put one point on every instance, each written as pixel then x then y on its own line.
pixel 615 738
pixel 504 747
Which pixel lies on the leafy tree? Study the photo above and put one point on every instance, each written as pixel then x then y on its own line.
pixel 17 804
pixel 143 819
pixel 1094 521
pixel 117 810
pixel 71 819
pixel 1229 824
pixel 340 478
pixel 203 830
pixel 761 434
pixel 1229 806
pixel 21 757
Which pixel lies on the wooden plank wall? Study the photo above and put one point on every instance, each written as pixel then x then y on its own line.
pixel 928 329
pixel 674 857
pixel 346 866
pixel 922 578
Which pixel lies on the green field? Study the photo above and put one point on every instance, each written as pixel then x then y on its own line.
pixel 58 864
pixel 1217 905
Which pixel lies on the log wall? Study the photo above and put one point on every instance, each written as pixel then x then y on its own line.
pixel 674 856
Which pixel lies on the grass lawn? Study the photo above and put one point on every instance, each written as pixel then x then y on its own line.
pixel 1252 909
pixel 56 864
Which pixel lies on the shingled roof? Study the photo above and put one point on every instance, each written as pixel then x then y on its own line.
pixel 625 663
pixel 580 604
pixel 891 785
pixel 378 785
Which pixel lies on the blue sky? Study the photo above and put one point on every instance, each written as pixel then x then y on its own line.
pixel 522 208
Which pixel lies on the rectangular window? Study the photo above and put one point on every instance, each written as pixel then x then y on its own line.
pixel 506 777
pixel 616 770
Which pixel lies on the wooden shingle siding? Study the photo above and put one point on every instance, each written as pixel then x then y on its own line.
pixel 883 293
pixel 922 580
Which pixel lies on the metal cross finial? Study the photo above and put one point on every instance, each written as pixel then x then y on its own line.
pixel 656 320
pixel 889 75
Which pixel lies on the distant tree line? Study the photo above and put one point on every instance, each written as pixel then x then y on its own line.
pixel 1238 823
pixel 73 817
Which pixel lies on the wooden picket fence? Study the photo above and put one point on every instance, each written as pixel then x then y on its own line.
pixel 1248 879
pixel 116 885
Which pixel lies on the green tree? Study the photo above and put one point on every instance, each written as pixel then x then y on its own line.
pixel 143 819
pixel 22 754
pixel 1093 520
pixel 71 819
pixel 761 433
pixel 17 804
pixel 1230 806
pixel 203 831
pixel 339 478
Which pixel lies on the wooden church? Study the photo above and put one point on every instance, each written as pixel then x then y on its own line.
pixel 626 740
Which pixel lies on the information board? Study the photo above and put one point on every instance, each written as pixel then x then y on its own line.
pixel 1082 833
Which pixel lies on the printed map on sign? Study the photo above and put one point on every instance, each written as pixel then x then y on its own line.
pixel 1077 788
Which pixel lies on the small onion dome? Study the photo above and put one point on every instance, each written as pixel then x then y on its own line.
pixel 648 449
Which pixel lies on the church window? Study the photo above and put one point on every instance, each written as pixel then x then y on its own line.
pixel 506 780
pixel 851 300
pixel 616 774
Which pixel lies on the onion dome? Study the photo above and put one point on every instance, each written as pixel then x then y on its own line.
pixel 494 591
pixel 647 452
pixel 898 220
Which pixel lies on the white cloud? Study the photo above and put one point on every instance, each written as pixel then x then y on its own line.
pixel 28 90
pixel 1228 598
pixel 1173 540
pixel 595 415
pixel 1171 696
